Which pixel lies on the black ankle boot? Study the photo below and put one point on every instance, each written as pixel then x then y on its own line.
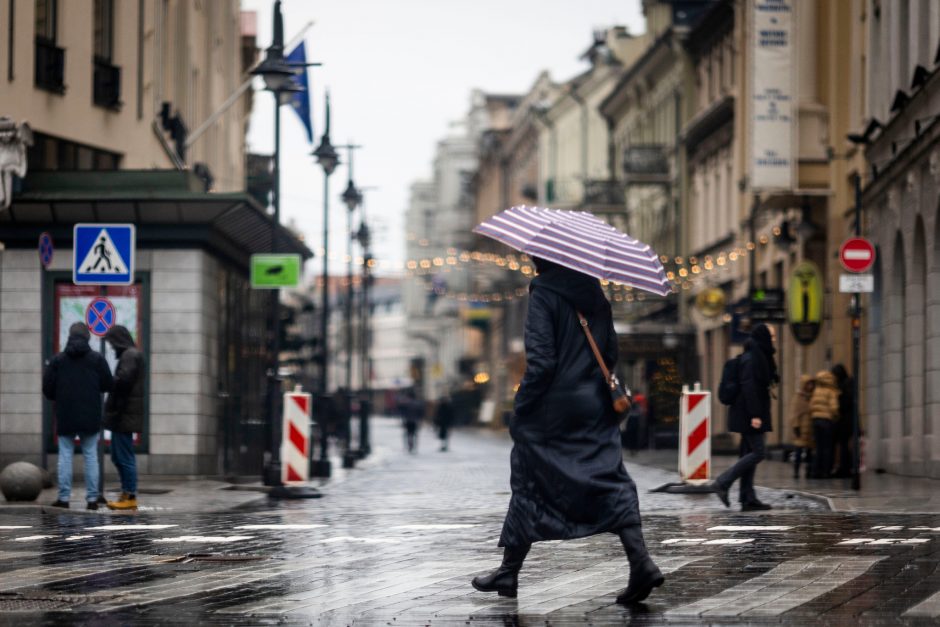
pixel 644 574
pixel 505 579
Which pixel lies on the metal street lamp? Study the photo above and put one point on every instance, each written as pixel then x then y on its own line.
pixel 328 159
pixel 352 198
pixel 365 403
pixel 277 74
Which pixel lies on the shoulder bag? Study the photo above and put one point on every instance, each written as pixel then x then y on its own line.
pixel 618 395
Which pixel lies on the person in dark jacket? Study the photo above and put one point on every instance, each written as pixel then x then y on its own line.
pixel 75 379
pixel 443 419
pixel 845 423
pixel 567 474
pixel 412 413
pixel 124 412
pixel 749 415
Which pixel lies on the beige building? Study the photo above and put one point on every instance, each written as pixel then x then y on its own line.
pixel 108 84
pixel 901 135
pixel 112 91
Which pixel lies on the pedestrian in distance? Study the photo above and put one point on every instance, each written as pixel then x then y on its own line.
pixel 443 420
pixel 124 412
pixel 802 424
pixel 74 380
pixel 633 427
pixel 567 474
pixel 412 412
pixel 824 408
pixel 844 424
pixel 755 373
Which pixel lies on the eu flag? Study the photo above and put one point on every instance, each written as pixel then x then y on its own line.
pixel 300 100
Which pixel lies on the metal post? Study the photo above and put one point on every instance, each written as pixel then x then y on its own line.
pixel 273 472
pixel 365 363
pixel 325 313
pixel 856 341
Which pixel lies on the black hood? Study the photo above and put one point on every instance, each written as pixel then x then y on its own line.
pixel 582 291
pixel 77 346
pixel 119 338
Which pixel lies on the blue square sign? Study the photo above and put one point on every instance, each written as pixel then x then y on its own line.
pixel 103 254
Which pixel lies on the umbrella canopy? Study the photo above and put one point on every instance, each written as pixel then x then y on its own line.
pixel 580 241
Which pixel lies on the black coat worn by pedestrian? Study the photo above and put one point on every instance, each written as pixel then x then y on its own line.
pixel 755 375
pixel 124 410
pixel 568 479
pixel 75 379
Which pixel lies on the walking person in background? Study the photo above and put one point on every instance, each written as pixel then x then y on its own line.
pixel 636 416
pixel 443 419
pixel 749 415
pixel 124 412
pixel 824 408
pixel 802 424
pixel 845 422
pixel 75 379
pixel 412 411
pixel 567 474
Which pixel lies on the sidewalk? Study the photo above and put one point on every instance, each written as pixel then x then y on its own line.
pixel 880 493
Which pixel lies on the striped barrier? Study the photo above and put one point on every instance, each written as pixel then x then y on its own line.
pixel 295 443
pixel 695 431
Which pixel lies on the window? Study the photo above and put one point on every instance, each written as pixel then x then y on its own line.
pixel 107 76
pixel 104 29
pixel 46 11
pixel 50 59
pixel 49 153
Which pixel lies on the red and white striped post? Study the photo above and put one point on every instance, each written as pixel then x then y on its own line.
pixel 295 465
pixel 695 425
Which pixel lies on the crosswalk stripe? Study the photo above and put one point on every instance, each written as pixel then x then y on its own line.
pixel 929 607
pixel 47 573
pixel 781 589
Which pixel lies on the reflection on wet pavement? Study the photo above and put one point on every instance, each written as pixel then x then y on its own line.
pixel 397 543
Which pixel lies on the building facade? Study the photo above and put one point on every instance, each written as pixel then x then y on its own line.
pixel 901 136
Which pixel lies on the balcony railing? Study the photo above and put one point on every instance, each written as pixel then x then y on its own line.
pixel 647 163
pixel 50 66
pixel 603 193
pixel 107 80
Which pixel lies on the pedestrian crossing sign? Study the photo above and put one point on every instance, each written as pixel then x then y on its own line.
pixel 103 254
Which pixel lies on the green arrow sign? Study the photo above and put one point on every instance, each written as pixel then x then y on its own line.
pixel 274 271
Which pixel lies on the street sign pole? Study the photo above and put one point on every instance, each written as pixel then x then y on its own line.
pixel 856 341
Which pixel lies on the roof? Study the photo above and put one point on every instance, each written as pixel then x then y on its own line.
pixel 169 208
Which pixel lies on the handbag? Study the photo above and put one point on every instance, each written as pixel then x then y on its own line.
pixel 618 395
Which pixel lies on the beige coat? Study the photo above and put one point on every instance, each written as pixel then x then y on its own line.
pixel 824 403
pixel 800 417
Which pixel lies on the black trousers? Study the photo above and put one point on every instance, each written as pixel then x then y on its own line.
pixel 751 453
pixel 823 431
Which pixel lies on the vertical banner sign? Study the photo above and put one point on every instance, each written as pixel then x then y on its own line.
pixel 695 447
pixel 295 466
pixel 772 94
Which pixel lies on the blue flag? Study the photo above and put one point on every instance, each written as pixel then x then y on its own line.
pixel 300 100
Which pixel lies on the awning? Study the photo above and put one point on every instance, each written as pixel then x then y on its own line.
pixel 169 208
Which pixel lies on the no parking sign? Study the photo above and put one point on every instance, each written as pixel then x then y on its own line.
pixel 100 316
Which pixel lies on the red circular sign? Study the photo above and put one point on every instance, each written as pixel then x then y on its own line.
pixel 857 254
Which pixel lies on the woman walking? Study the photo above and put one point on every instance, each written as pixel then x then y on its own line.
pixel 750 416
pixel 568 479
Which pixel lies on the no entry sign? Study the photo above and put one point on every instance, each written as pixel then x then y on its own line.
pixel 857 254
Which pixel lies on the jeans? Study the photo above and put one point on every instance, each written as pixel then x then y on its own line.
pixel 90 453
pixel 122 454
pixel 751 453
pixel 823 430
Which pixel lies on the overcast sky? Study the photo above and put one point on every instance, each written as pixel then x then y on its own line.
pixel 400 73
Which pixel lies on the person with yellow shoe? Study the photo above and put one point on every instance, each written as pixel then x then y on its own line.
pixel 124 412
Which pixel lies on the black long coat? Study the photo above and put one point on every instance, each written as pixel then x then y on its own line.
pixel 124 409
pixel 568 479
pixel 753 401
pixel 75 379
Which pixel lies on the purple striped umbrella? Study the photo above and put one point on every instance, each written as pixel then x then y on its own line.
pixel 580 241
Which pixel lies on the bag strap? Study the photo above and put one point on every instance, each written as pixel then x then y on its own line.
pixel 597 353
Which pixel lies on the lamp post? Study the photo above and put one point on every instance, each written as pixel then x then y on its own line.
pixel 352 198
pixel 277 74
pixel 328 159
pixel 365 361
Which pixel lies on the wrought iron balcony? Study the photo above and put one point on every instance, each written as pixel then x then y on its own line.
pixel 107 84
pixel 646 164
pixel 50 66
pixel 603 195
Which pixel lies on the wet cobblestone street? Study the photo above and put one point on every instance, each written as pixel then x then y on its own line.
pixel 396 542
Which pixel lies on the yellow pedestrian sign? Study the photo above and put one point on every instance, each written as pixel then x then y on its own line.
pixel 805 302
